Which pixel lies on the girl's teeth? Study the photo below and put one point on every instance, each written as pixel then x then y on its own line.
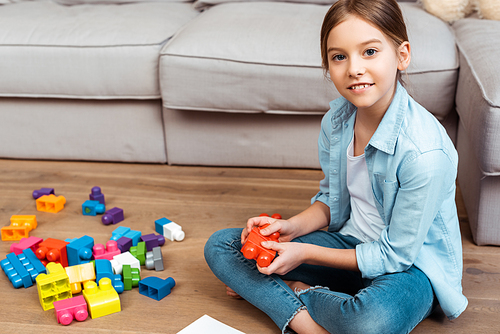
pixel 360 86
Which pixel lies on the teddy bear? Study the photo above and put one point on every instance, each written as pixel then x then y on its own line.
pixel 453 10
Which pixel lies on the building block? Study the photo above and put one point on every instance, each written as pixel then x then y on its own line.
pixel 131 277
pixel 20 226
pixel 52 250
pixel 169 229
pixel 92 208
pixel 104 269
pixel 155 287
pixel 139 252
pixel 108 252
pixel 72 308
pixel 42 192
pixel 25 243
pixel 112 216
pixel 101 300
pixel 79 275
pixel 22 270
pixel 275 215
pixel 97 195
pixel 153 240
pixel 124 244
pixel 252 248
pixel 79 250
pixel 154 259
pixel 122 231
pixel 53 286
pixel 122 259
pixel 50 203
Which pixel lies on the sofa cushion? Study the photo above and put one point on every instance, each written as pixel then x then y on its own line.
pixel 265 57
pixel 87 51
pixel 107 2
pixel 478 95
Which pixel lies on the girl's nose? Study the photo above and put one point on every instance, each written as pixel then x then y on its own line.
pixel 356 70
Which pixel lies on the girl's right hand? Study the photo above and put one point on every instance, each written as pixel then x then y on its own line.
pixel 284 227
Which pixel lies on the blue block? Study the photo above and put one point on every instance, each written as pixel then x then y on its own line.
pixel 103 269
pixel 122 231
pixel 155 287
pixel 159 224
pixel 22 270
pixel 92 208
pixel 79 250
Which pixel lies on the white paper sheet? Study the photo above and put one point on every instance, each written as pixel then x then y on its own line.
pixel 208 325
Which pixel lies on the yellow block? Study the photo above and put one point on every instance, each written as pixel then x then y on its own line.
pixel 50 203
pixel 101 300
pixel 20 226
pixel 79 275
pixel 53 286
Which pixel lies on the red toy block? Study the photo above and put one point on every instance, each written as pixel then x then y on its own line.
pixel 275 215
pixel 68 309
pixel 52 250
pixel 108 252
pixel 252 249
pixel 20 226
pixel 25 243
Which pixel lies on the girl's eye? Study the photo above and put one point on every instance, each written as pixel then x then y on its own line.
pixel 370 52
pixel 338 57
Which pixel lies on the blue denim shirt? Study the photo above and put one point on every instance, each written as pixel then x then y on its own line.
pixel 412 165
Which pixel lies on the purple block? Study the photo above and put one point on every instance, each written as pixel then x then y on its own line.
pixel 97 195
pixel 124 244
pixel 42 192
pixel 153 241
pixel 112 216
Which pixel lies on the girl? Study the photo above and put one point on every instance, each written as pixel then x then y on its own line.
pixel 392 251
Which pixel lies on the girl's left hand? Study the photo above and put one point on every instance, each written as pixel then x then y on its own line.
pixel 291 255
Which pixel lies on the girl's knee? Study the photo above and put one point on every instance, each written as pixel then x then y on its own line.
pixel 220 242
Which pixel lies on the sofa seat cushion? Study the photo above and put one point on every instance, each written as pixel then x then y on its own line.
pixel 86 51
pixel 265 57
pixel 478 95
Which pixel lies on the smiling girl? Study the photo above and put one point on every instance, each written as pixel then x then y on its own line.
pixel 393 250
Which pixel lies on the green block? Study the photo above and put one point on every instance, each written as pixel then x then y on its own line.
pixel 139 252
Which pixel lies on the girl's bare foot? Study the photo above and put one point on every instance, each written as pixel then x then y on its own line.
pixel 230 292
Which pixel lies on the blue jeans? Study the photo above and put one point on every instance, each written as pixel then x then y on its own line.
pixel 340 301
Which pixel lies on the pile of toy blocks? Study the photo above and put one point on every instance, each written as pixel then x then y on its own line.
pixel 62 269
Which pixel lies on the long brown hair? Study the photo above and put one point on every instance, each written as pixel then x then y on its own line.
pixel 383 14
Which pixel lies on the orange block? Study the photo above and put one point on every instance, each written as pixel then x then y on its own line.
pixel 19 228
pixel 52 250
pixel 50 203
pixel 252 248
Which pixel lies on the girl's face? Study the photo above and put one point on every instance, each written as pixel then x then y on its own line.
pixel 363 64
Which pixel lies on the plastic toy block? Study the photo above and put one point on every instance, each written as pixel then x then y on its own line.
pixel 124 244
pixel 19 228
pixel 155 287
pixel 52 250
pixel 80 274
pixel 92 208
pixel 79 250
pixel 25 243
pixel 108 252
pixel 112 216
pixel 275 215
pixel 252 248
pixel 153 240
pixel 72 308
pixel 97 195
pixel 169 229
pixel 154 259
pixel 122 231
pixel 50 203
pixel 53 286
pixel 42 192
pixel 139 252
pixel 124 258
pixel 131 277
pixel 101 300
pixel 22 270
pixel 103 269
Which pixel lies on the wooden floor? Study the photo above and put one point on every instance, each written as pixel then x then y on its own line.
pixel 202 200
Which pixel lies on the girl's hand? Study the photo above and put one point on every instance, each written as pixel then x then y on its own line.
pixel 282 226
pixel 291 255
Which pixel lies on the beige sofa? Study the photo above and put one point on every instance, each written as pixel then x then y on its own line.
pixel 214 82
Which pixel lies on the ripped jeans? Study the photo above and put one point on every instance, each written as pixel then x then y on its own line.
pixel 340 301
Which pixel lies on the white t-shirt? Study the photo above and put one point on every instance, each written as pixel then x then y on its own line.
pixel 365 223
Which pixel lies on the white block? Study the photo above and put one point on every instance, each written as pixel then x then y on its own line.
pixel 173 231
pixel 122 259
